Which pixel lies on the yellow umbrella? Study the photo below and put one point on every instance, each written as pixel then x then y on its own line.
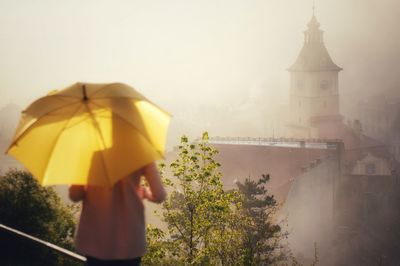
pixel 89 134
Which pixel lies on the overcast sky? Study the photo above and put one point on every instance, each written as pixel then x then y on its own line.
pixel 191 53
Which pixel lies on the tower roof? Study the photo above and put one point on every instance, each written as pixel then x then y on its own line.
pixel 313 56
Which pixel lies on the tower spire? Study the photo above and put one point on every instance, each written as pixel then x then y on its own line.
pixel 313 7
pixel 314 56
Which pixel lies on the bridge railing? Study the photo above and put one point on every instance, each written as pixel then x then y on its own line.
pixel 18 236
pixel 282 142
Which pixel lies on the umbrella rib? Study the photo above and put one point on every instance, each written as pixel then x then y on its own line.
pixel 33 123
pixel 57 96
pixel 102 140
pixel 66 125
pixel 102 88
pixel 64 96
pixel 58 137
pixel 136 99
pixel 102 106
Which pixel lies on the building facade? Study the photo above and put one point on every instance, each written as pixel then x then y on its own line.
pixel 314 88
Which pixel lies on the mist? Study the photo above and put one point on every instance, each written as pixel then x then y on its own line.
pixel 195 59
pixel 222 67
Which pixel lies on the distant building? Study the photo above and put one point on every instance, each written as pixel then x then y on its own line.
pixel 366 188
pixel 380 118
pixel 314 94
pixel 371 165
pixel 324 192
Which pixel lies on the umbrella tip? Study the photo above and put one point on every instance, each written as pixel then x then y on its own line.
pixel 85 98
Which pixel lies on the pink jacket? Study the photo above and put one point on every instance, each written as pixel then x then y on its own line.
pixel 112 223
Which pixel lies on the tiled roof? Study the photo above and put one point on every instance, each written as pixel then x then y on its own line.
pixel 283 164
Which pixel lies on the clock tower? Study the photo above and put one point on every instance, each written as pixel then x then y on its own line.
pixel 314 94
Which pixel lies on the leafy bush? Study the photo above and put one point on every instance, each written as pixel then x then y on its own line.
pixel 27 206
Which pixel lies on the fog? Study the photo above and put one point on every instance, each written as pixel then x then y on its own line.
pixel 220 66
pixel 204 61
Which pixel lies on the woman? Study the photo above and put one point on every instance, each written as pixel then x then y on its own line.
pixel 111 229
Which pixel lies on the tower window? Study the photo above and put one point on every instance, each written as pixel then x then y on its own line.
pixel 304 60
pixel 324 104
pixel 300 84
pixel 299 104
pixel 370 168
pixel 324 84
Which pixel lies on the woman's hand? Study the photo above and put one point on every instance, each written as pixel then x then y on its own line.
pixel 155 192
pixel 142 192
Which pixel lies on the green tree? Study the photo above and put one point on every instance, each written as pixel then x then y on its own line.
pixel 27 206
pixel 207 225
pixel 198 212
pixel 159 249
pixel 262 238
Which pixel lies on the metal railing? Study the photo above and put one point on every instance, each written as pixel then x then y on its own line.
pixel 62 251
pixel 330 144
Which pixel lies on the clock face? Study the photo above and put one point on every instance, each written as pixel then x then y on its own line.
pixel 324 84
pixel 300 84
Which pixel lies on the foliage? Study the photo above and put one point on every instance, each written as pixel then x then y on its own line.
pixel 159 248
pixel 262 236
pixel 293 261
pixel 35 210
pixel 316 255
pixel 198 212
pixel 207 225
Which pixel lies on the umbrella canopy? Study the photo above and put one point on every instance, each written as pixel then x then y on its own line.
pixel 89 134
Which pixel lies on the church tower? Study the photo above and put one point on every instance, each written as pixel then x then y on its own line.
pixel 314 95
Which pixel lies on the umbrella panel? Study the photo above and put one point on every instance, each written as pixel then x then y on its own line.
pixel 84 147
